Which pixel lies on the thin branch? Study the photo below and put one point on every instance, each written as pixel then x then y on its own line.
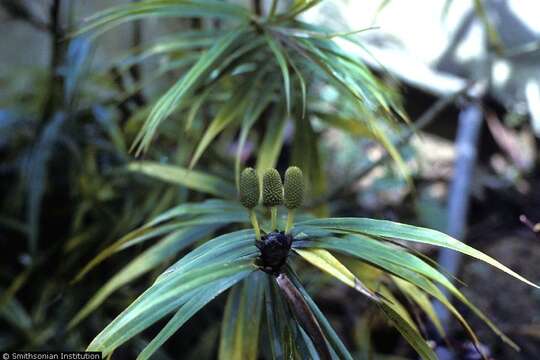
pixel 56 83
pixel 535 228
pixel 135 69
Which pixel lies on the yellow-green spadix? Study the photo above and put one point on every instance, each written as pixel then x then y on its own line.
pixel 249 188
pixel 272 188
pixel 293 188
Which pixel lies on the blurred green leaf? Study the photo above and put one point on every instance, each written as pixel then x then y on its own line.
pixel 191 179
pixel 207 207
pixel 15 314
pixel 411 335
pixel 105 20
pixel 174 96
pixel 272 141
pixel 35 174
pixel 150 258
pixel 18 282
pixel 250 117
pixel 229 113
pixel 281 59
pixel 392 302
pixel 422 300
pixel 189 41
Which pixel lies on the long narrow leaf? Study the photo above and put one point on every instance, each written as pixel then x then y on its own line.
pixel 226 247
pixel 408 267
pixel 207 207
pixel 327 262
pixel 229 113
pixel 249 119
pixel 272 142
pixel 189 178
pixel 330 333
pixel 412 337
pixel 164 297
pixel 394 230
pixel 283 327
pixel 422 300
pixel 171 100
pixel 165 249
pixel 110 18
pixel 35 174
pixel 281 59
pixel 190 308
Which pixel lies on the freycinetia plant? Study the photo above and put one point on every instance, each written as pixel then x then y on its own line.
pixel 261 267
pixel 267 79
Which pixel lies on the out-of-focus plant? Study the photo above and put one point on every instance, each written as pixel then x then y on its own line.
pixel 63 150
pixel 227 82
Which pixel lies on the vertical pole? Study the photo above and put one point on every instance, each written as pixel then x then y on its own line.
pixel 469 125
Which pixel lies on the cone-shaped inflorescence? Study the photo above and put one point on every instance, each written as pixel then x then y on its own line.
pixel 272 193
pixel 293 188
pixel 249 188
pixel 250 193
pixel 272 188
pixel 294 193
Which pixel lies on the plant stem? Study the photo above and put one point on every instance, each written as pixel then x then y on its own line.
pixel 255 223
pixel 273 9
pixel 135 70
pixel 56 81
pixel 290 220
pixel 273 217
